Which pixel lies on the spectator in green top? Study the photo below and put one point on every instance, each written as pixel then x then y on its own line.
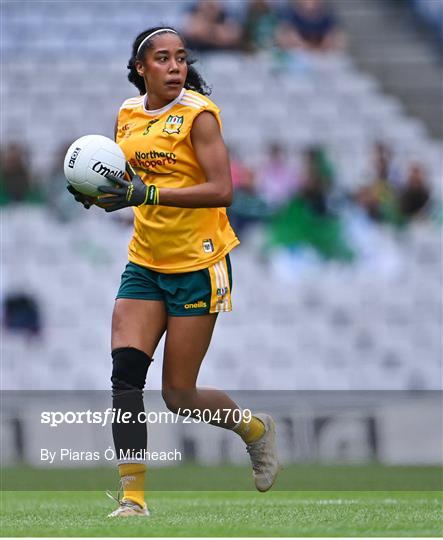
pixel 260 22
pixel 306 222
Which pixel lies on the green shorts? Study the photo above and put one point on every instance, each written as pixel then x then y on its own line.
pixel 190 293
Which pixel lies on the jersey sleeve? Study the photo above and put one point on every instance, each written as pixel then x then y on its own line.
pixel 199 103
pixel 212 108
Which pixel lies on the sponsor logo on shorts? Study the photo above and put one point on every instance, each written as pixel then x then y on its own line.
pixel 197 305
pixel 221 291
pixel 73 158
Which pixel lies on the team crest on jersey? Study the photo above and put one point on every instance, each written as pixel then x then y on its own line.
pixel 173 124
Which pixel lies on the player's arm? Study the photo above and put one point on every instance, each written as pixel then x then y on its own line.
pixel 214 192
pixel 212 155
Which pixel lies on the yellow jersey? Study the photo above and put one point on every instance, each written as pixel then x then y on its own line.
pixel 169 239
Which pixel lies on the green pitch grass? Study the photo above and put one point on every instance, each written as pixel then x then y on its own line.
pixel 226 514
pixel 329 508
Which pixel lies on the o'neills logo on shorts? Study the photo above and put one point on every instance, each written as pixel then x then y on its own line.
pixel 197 305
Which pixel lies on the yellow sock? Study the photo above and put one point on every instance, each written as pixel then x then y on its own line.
pixel 132 476
pixel 250 431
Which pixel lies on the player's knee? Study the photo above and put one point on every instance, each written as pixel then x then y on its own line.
pixel 129 368
pixel 177 398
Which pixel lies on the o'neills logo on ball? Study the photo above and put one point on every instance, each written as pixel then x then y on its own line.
pixel 73 158
pixel 99 168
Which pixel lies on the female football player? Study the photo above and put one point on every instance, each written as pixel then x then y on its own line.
pixel 178 278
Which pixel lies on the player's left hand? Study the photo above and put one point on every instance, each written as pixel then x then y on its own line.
pixel 85 200
pixel 132 193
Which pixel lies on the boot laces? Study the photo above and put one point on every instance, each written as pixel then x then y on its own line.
pixel 117 499
pixel 255 450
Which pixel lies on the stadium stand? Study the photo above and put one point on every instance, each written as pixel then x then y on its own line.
pixel 387 40
pixel 327 326
pixel 432 13
pixel 336 328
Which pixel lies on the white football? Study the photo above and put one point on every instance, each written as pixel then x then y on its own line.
pixel 89 159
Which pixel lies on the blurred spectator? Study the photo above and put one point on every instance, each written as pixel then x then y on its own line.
pixel 431 12
pixel 22 314
pixel 379 199
pixel 208 28
pixel 379 196
pixel 242 176
pixel 15 177
pixel 388 198
pixel 383 163
pixel 260 23
pixel 277 182
pixel 317 180
pixel 247 207
pixel 415 195
pixel 309 24
pixel 306 223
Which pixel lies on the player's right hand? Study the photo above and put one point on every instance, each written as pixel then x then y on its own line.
pixel 85 200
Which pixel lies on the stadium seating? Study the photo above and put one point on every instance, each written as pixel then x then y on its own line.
pixel 334 328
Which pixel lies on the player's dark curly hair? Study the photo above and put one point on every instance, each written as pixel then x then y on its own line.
pixel 194 80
